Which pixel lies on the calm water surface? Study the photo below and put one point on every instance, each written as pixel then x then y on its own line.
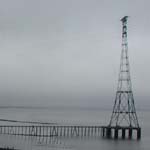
pixel 71 116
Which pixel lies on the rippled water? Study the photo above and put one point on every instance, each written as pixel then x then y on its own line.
pixel 71 116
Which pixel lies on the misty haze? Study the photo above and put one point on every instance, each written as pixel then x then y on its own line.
pixel 68 52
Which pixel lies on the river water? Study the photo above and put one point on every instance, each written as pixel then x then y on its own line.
pixel 70 116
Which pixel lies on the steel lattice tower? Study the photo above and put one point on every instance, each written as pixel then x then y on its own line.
pixel 124 112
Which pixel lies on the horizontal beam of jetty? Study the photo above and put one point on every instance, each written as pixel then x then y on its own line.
pixel 71 131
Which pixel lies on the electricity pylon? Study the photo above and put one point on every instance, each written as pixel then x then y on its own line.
pixel 124 112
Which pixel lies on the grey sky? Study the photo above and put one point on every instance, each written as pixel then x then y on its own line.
pixel 55 52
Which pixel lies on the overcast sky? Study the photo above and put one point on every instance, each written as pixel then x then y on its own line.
pixel 67 52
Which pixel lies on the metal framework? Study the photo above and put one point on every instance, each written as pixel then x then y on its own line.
pixel 124 112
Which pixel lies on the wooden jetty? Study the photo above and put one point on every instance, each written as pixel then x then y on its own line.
pixel 48 131
pixel 71 131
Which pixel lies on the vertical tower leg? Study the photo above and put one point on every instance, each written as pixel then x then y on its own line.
pixel 123 133
pixel 108 132
pixel 116 133
pixel 130 133
pixel 139 133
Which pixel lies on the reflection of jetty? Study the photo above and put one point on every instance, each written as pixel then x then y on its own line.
pixel 71 131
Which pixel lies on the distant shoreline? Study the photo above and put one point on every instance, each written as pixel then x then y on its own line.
pixel 66 108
